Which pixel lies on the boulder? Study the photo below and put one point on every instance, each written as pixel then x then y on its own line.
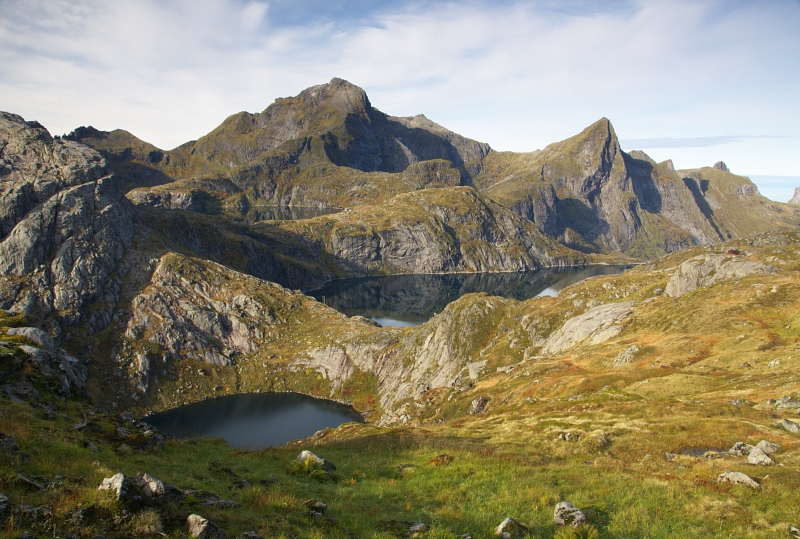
pixel 710 269
pixel 203 528
pixel 595 326
pixel 758 457
pixel 155 490
pixel 418 527
pixel 478 405
pixel 249 535
pixel 740 449
pixel 316 505
pixel 8 445
pixel 768 447
pixel 511 528
pixel 325 464
pixel 5 507
pixel 566 514
pixel 124 490
pixel 791 426
pixel 737 478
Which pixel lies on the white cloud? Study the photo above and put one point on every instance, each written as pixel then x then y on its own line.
pixel 516 75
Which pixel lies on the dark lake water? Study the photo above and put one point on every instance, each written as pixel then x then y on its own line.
pixel 254 420
pixel 408 300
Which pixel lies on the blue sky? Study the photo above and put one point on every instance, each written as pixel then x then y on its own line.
pixel 694 81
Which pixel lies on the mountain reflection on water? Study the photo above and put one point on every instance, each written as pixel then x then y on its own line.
pixel 254 420
pixel 407 300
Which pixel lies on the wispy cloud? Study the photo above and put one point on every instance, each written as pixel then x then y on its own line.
pixel 516 74
pixel 688 142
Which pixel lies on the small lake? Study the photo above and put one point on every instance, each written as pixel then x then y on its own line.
pixel 408 300
pixel 254 420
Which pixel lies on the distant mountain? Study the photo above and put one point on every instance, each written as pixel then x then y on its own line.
pixel 328 147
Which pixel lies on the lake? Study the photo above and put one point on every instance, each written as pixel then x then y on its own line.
pixel 254 420
pixel 408 300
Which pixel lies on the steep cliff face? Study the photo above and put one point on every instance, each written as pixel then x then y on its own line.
pixel 65 223
pixel 795 201
pixel 591 195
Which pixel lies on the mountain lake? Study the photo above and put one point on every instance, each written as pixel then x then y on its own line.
pixel 259 420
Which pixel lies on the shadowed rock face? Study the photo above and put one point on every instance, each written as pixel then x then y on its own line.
pixel 63 225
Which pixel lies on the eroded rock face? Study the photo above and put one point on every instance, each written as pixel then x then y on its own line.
pixel 63 223
pixel 706 270
pixel 595 326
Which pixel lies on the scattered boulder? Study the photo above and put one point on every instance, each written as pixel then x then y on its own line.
pixel 569 436
pixel 316 505
pixel 791 426
pixel 4 507
pixel 418 527
pixel 249 535
pixel 740 449
pixel 566 514
pixel 706 270
pixel 240 485
pixel 135 492
pixel 768 447
pixel 759 458
pixel 156 490
pixel 203 528
pixel 511 528
pixel 737 478
pixel 8 445
pixel 209 499
pixel 325 464
pixel 124 490
pixel 478 405
pixel 625 356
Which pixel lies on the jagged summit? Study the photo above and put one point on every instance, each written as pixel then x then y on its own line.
pixel 796 198
pixel 720 165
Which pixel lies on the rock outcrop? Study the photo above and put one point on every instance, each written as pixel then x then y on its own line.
pixel 737 478
pixel 64 224
pixel 796 198
pixel 596 325
pixel 706 270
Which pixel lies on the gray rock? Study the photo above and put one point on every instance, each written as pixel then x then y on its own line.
pixel 768 447
pixel 155 490
pixel 511 528
pixel 36 335
pixel 418 527
pixel 758 457
pixel 720 165
pixel 203 528
pixel 478 406
pixel 595 326
pixel 5 507
pixel 736 478
pixel 740 449
pixel 791 426
pixel 796 198
pixel 325 464
pixel 124 490
pixel 209 499
pixel 316 505
pixel 566 514
pixel 475 369
pixel 706 270
pixel 625 356
pixel 240 485
pixel 56 363
pixel 249 535
pixel 8 444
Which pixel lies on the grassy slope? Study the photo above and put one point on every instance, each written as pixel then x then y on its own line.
pixel 673 396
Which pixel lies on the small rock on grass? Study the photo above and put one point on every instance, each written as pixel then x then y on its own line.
pixel 316 505
pixel 325 464
pixel 418 527
pixel 4 507
pixel 249 535
pixel 566 514
pixel 202 528
pixel 511 528
pixel 737 478
pixel 791 426
pixel 759 458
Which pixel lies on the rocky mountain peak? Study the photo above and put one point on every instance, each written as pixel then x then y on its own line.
pixel 796 198
pixel 720 165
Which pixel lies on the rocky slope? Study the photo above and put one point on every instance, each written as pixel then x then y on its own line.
pixel 65 224
pixel 591 195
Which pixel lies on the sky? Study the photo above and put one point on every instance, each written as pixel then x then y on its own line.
pixel 693 81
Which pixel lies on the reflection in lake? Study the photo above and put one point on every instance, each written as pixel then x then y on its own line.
pixel 254 420
pixel 406 300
